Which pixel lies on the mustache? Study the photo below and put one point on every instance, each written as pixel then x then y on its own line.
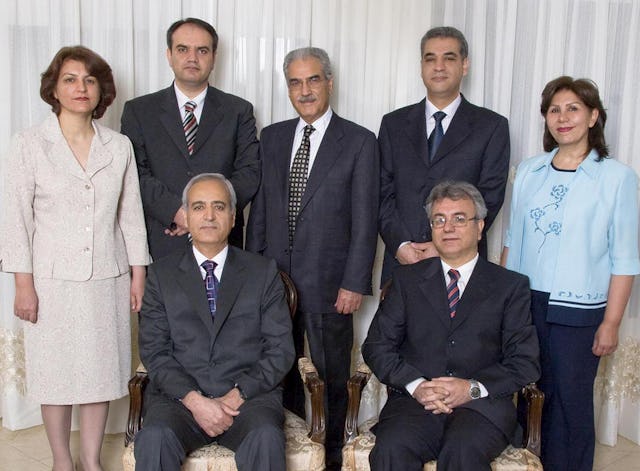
pixel 307 99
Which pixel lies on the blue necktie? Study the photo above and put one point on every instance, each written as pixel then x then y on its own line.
pixel 437 134
pixel 453 294
pixel 211 284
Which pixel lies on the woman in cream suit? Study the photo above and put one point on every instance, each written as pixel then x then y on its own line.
pixel 73 234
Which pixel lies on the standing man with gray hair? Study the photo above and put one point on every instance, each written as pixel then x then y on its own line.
pixel 442 137
pixel 316 214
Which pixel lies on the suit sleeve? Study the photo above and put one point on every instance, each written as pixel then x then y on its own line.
pixel 278 352
pixel 154 338
pixel 392 229
pixel 365 184
pixel 520 353
pixel 246 165
pixel 495 169
pixel 158 201
pixel 256 227
pixel 381 348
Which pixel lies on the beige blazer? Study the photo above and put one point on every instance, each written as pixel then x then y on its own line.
pixel 61 221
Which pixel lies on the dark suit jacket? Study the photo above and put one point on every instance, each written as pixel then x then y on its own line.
pixel 336 233
pixel 474 149
pixel 491 338
pixel 225 143
pixel 249 343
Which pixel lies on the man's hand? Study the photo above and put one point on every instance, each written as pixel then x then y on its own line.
pixel 212 415
pixel 415 251
pixel 432 398
pixel 233 399
pixel 347 301
pixel 179 226
pixel 453 391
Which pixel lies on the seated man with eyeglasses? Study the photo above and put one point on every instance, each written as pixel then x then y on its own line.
pixel 453 340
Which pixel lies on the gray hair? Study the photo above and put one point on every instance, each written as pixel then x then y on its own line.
pixel 446 32
pixel 306 52
pixel 456 190
pixel 203 177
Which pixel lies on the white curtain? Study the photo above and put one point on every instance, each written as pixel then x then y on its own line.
pixel 516 46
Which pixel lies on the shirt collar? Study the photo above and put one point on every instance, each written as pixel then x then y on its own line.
pixel 450 109
pixel 219 259
pixel 319 124
pixel 182 98
pixel 589 165
pixel 465 270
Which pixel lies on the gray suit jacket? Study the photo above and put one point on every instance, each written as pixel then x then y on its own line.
pixel 474 149
pixel 225 143
pixel 336 234
pixel 491 338
pixel 249 343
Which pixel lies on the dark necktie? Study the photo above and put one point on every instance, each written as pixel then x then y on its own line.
pixel 211 284
pixel 190 125
pixel 437 134
pixel 452 291
pixel 298 179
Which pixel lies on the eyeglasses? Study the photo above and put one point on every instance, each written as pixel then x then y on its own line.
pixel 457 220
pixel 312 82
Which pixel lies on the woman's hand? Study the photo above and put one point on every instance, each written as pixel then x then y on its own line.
pixel 25 304
pixel 606 339
pixel 137 287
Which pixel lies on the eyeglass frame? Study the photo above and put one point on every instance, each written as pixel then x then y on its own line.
pixel 451 221
pixel 315 81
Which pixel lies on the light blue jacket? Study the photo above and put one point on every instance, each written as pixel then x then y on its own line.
pixel 599 234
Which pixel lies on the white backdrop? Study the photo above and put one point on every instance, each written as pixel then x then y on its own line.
pixel 516 46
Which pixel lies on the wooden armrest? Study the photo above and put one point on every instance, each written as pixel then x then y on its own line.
pixel 355 385
pixel 315 386
pixel 137 384
pixel 534 399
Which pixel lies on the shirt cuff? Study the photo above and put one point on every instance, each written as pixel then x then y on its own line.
pixel 411 387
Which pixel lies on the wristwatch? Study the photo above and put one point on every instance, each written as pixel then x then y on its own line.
pixel 474 389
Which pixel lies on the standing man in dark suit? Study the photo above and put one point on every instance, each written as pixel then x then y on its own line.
pixel 187 129
pixel 215 336
pixel 453 340
pixel 316 213
pixel 442 137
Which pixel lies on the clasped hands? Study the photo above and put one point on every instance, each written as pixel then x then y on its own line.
pixel 413 252
pixel 214 414
pixel 442 395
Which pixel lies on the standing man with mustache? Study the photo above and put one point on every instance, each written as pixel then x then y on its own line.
pixel 188 129
pixel 316 214
pixel 443 137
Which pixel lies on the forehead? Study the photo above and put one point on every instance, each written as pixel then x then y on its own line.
pixel 441 45
pixel 190 34
pixel 449 206
pixel 208 190
pixel 73 66
pixel 565 96
pixel 303 68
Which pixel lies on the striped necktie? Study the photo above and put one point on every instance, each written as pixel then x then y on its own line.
pixel 453 294
pixel 190 125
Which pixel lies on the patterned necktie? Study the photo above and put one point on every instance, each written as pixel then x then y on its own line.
pixel 211 284
pixel 453 294
pixel 190 125
pixel 437 134
pixel 298 179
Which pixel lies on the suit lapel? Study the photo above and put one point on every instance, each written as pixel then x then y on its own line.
pixel 190 280
pixel 172 121
pixel 457 131
pixel 435 293
pixel 282 157
pixel 416 131
pixel 60 154
pixel 475 293
pixel 328 152
pixel 99 156
pixel 212 114
pixel 233 278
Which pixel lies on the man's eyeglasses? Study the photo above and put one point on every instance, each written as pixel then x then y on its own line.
pixel 457 220
pixel 312 82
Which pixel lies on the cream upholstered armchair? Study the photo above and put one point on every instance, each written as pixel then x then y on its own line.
pixel 359 441
pixel 304 444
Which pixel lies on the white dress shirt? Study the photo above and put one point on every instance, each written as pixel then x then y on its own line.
pixel 219 259
pixel 198 100
pixel 320 125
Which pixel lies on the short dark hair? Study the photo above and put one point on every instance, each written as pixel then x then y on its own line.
pixel 446 32
pixel 196 22
pixel 95 65
pixel 587 91
pixel 456 190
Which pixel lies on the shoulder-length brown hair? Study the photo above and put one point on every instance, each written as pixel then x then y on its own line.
pixel 587 91
pixel 96 66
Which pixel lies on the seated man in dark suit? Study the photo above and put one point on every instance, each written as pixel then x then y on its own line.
pixel 215 336
pixel 453 340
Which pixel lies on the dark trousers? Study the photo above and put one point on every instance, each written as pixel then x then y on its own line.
pixel 568 372
pixel 407 436
pixel 330 338
pixel 169 433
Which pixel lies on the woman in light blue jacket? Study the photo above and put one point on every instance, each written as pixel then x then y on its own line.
pixel 574 232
